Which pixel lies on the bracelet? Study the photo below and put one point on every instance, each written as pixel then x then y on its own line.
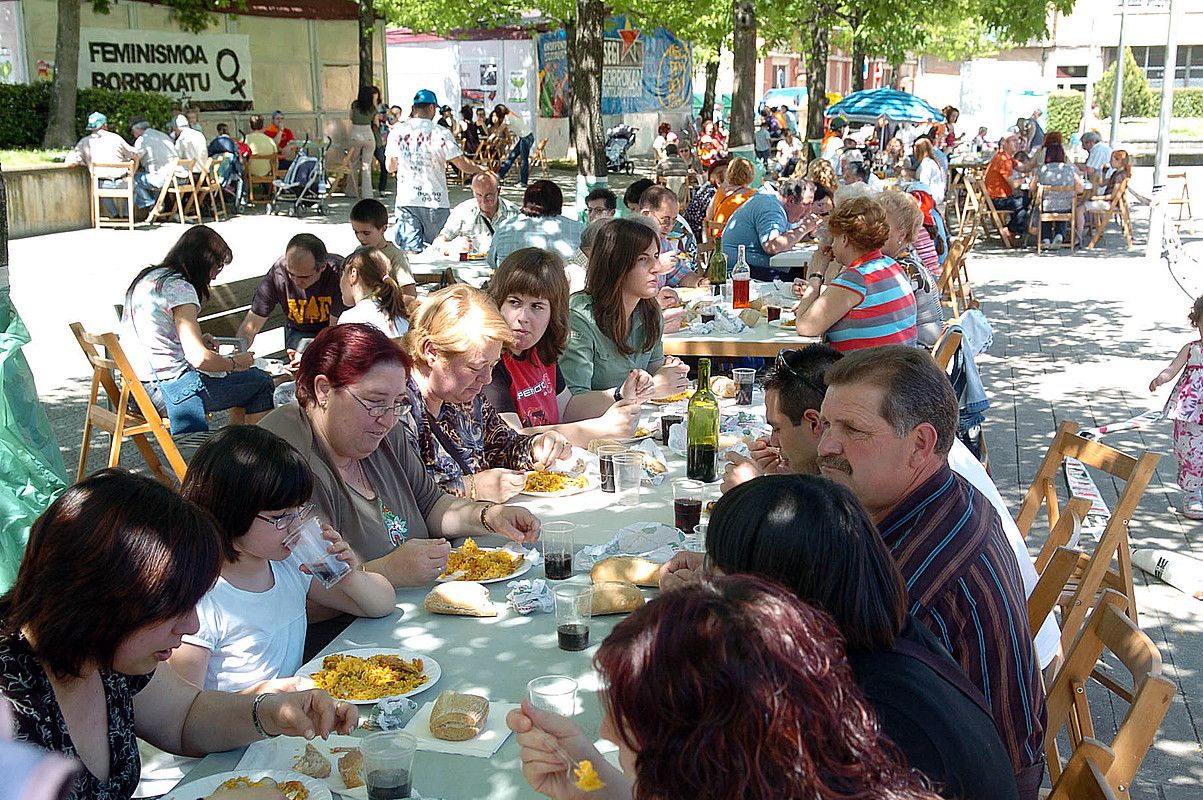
pixel 818 275
pixel 484 523
pixel 255 717
pixel 617 393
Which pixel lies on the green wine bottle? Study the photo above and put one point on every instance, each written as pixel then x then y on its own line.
pixel 702 429
pixel 717 271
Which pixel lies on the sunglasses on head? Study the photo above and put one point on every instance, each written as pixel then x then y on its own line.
pixel 783 365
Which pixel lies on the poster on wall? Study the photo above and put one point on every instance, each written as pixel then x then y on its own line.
pixel 12 56
pixel 642 70
pixel 478 81
pixel 516 91
pixel 209 68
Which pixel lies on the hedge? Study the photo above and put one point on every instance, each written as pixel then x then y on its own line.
pixel 1065 112
pixel 24 109
pixel 1187 102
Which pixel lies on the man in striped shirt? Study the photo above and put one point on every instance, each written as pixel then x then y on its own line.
pixel 889 418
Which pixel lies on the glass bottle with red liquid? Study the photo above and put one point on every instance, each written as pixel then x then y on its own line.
pixel 741 282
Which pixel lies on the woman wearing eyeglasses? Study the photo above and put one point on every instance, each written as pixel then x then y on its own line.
pixel 457 337
pixel 253 620
pixel 369 482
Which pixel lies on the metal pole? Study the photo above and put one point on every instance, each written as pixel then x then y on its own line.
pixel 1167 101
pixel 1161 166
pixel 1117 101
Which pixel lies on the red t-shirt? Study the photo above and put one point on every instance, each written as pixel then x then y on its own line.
pixel 286 136
pixel 527 387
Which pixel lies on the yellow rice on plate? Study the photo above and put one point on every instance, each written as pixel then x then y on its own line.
pixel 354 678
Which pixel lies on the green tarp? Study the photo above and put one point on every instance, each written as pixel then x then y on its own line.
pixel 32 473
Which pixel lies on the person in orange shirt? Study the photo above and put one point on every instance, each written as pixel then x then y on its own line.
pixel 1003 184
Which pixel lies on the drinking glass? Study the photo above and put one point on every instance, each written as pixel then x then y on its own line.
pixel 605 463
pixel 388 764
pixel 628 475
pixel 311 549
pixel 574 611
pixel 557 538
pixel 687 504
pixel 554 693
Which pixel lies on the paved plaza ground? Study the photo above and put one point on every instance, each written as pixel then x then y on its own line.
pixel 1076 337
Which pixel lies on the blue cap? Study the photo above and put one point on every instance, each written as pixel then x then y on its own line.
pixel 425 96
pixel 96 119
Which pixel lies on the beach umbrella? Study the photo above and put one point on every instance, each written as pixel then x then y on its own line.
pixel 873 104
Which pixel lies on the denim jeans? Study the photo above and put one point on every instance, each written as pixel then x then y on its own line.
pixel 417 226
pixel 521 150
pixel 189 396
pixel 382 184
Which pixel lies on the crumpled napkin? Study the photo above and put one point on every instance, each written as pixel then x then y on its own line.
pixel 725 321
pixel 652 452
pixel 654 541
pixel 391 714
pixel 678 439
pixel 529 596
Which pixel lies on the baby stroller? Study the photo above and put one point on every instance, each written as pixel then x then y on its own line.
pixel 304 185
pixel 619 141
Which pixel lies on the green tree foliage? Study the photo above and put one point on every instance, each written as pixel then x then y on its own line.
pixel 1065 112
pixel 1139 100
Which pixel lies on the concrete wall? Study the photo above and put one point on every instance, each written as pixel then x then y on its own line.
pixel 306 68
pixel 47 198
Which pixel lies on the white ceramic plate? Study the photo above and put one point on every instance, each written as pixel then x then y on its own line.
pixel 430 668
pixel 523 568
pixel 591 484
pixel 284 751
pixel 203 787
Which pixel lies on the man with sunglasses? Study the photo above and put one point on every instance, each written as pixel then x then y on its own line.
pixel 678 250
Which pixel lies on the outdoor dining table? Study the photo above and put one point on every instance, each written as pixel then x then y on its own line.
pixel 432 261
pixel 764 339
pixel 497 656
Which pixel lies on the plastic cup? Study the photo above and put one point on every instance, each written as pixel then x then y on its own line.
pixel 388 764
pixel 605 462
pixel 744 379
pixel 557 538
pixel 628 476
pixel 667 420
pixel 699 537
pixel 687 504
pixel 310 548
pixel 554 693
pixel 574 611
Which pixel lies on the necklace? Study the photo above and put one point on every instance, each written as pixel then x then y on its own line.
pixel 363 480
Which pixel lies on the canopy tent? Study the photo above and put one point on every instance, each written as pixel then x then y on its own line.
pixel 895 106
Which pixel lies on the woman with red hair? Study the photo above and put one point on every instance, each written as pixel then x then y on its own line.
pixel 729 687
pixel 369 482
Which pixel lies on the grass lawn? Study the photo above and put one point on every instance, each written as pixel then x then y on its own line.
pixel 1145 129
pixel 25 158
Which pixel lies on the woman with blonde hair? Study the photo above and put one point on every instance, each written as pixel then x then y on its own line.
pixel 732 191
pixel 870 284
pixel 371 293
pixel 821 171
pixel 455 338
pixel 928 171
pixel 905 219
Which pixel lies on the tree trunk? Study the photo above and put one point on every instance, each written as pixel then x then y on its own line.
pixel 708 98
pixel 585 65
pixel 858 53
pixel 816 80
pixel 60 127
pixel 896 76
pixel 743 96
pixel 367 25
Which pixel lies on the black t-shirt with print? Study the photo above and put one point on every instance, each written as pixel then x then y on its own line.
pixel 305 310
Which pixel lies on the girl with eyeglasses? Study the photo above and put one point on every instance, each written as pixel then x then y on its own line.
pixel 253 620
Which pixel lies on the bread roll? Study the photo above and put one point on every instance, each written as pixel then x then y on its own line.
pixel 615 597
pixel 722 386
pixel 627 569
pixel 458 717
pixel 460 598
pixel 594 444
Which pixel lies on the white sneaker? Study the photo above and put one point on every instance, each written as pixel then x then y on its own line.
pixel 1045 242
pixel 1058 239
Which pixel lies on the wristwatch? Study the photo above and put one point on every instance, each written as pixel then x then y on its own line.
pixel 818 275
pixel 617 393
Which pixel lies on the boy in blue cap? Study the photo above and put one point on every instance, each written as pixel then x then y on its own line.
pixel 417 152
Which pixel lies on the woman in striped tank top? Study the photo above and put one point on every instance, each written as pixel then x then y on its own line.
pixel 869 302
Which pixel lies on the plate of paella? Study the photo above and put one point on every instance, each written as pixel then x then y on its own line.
pixel 368 675
pixel 470 562
pixel 292 785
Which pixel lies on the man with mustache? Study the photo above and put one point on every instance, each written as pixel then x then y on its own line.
pixel 885 428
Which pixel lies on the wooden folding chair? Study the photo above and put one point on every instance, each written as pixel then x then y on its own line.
pixel 1148 694
pixel 1045 194
pixel 123 194
pixel 252 180
pixel 1085 774
pixel 124 421
pixel 946 345
pixel 956 293
pixel 538 157
pixel 208 186
pixel 998 217
pixel 971 209
pixel 1118 210
pixel 714 230
pixel 182 186
pixel 1113 544
pixel 1183 198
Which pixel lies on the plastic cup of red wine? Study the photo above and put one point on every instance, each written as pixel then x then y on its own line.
pixel 574 611
pixel 311 549
pixel 388 764
pixel 687 504
pixel 557 538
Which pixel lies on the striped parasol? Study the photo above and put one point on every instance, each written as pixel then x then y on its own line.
pixel 873 104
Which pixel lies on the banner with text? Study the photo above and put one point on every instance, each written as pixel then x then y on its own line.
pixel 200 67
pixel 642 70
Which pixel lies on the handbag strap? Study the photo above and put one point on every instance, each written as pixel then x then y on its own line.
pixel 946 670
